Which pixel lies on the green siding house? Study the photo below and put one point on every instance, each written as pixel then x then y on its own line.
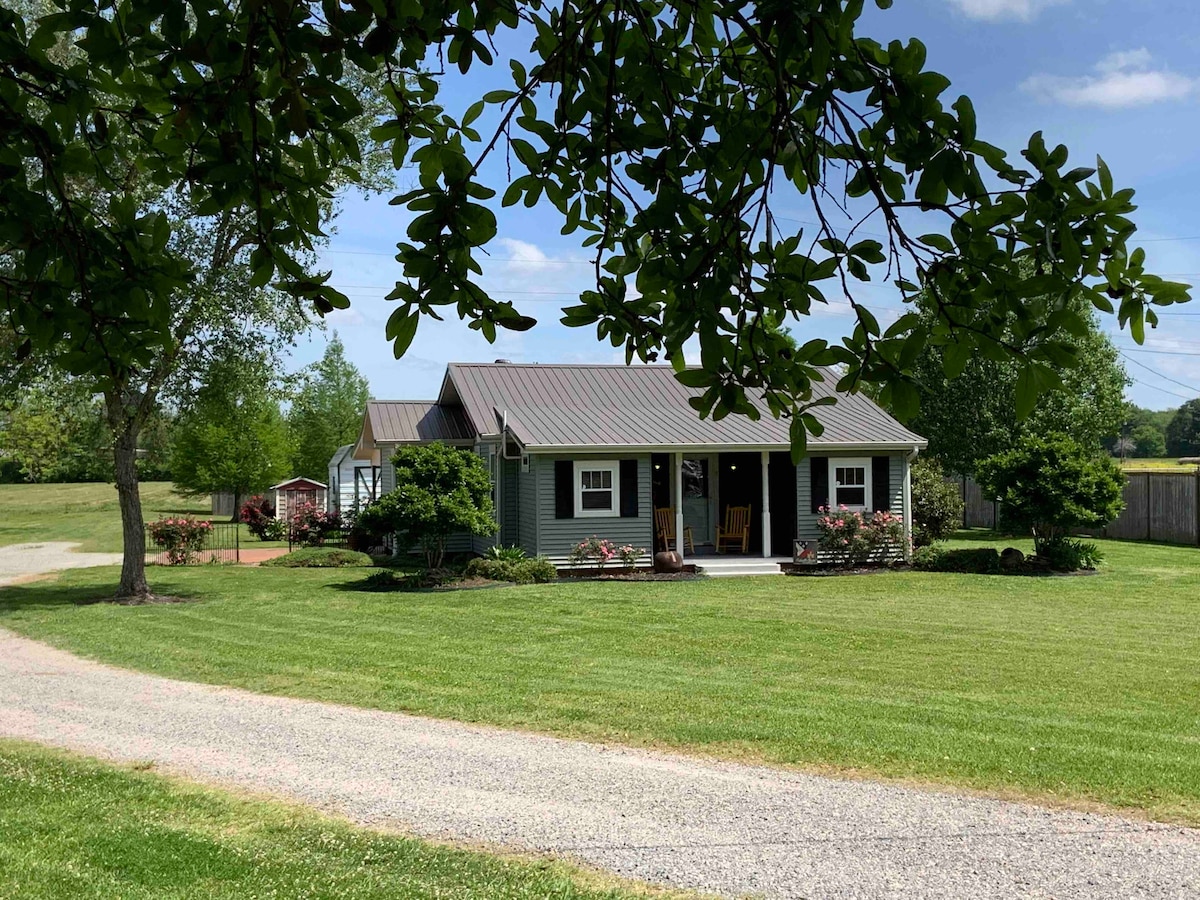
pixel 581 450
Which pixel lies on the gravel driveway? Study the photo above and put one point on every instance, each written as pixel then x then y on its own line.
pixel 21 560
pixel 720 827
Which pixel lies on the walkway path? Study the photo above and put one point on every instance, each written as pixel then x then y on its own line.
pixel 664 818
pixel 22 560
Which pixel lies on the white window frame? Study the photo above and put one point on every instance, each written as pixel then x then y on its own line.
pixel 598 465
pixel 863 463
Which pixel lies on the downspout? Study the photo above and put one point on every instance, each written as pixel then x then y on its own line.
pixel 907 500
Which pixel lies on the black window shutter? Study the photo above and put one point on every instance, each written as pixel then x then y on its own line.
pixel 881 482
pixel 564 489
pixel 819 482
pixel 629 489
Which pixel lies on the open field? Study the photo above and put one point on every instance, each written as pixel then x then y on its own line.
pixel 79 828
pixel 1155 465
pixel 1075 688
pixel 88 513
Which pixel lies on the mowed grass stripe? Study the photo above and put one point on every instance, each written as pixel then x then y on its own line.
pixel 1067 687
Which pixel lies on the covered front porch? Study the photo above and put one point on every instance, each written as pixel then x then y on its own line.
pixel 697 495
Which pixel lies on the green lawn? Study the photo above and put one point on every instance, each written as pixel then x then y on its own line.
pixel 1081 688
pixel 89 515
pixel 73 827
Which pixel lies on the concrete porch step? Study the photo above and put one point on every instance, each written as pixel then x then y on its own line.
pixel 720 567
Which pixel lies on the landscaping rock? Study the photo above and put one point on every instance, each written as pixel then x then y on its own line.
pixel 1036 564
pixel 1011 558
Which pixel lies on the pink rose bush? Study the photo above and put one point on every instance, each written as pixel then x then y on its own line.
pixel 601 551
pixel 180 538
pixel 311 525
pixel 852 538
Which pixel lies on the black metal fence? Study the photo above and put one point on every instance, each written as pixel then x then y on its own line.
pixel 297 538
pixel 219 545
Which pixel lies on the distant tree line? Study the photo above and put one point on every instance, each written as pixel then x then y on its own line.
pixel 970 411
pixel 241 426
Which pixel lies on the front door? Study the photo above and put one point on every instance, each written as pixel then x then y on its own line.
pixel 698 498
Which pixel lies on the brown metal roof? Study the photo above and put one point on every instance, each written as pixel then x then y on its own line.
pixel 643 406
pixel 415 421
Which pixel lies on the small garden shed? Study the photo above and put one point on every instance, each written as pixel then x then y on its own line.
pixel 291 494
pixel 352 482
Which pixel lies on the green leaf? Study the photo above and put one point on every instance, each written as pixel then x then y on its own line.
pixel 401 329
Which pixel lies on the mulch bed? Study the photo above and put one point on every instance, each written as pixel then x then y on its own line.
pixel 818 570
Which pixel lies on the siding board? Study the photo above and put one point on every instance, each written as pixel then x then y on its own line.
pixel 556 537
pixel 806 520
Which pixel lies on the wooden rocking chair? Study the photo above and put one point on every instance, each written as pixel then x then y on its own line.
pixel 664 529
pixel 736 530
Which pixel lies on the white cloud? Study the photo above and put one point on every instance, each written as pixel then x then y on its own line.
pixel 1124 78
pixel 522 256
pixel 1000 10
pixel 1125 59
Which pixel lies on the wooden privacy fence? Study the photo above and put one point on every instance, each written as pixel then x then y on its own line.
pixel 1159 506
pixel 1162 506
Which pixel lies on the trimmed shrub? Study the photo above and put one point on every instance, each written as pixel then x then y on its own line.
pixel 1051 485
pixel 973 561
pixel 537 570
pixel 439 490
pixel 320 558
pixel 937 507
pixel 1066 555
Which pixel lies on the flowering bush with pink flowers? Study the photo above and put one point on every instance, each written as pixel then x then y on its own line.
pixel 852 538
pixel 312 526
pixel 601 551
pixel 180 538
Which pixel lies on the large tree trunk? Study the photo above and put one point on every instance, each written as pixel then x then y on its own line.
pixel 133 587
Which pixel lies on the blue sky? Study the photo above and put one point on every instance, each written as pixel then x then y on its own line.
pixel 1118 78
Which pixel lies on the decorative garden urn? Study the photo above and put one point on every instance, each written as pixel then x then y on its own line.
pixel 668 561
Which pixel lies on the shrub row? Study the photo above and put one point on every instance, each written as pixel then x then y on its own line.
pixel 519 571
pixel 973 561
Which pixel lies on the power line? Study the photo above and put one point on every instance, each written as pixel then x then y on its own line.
pixel 1155 387
pixel 1161 352
pixel 1160 375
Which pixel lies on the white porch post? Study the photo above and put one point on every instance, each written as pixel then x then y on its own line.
pixel 679 504
pixel 907 501
pixel 766 500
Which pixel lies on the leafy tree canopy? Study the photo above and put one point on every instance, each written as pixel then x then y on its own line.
pixel 440 490
pixel 664 131
pixel 327 411
pixel 977 411
pixel 1143 433
pixel 1183 433
pixel 233 437
pixel 1049 485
